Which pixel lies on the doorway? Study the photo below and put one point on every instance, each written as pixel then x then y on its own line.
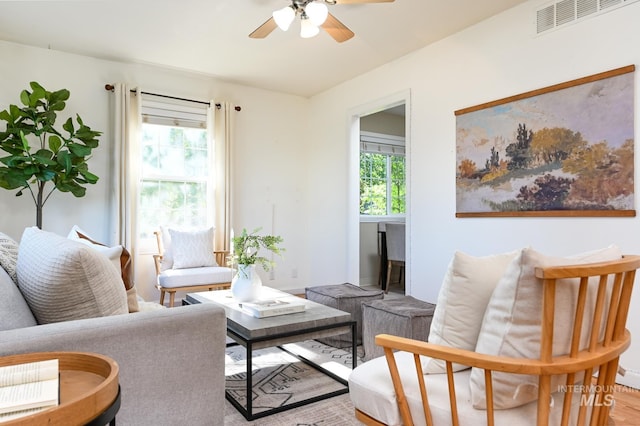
pixel 381 127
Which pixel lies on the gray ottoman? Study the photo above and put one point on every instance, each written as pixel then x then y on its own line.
pixel 405 316
pixel 345 297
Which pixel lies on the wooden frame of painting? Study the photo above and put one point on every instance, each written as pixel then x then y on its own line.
pixel 564 150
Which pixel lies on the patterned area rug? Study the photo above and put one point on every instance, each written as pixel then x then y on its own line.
pixel 280 378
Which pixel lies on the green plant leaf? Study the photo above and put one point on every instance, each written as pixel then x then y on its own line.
pixel 37 94
pixel 55 143
pixel 89 177
pixel 59 96
pixel 16 112
pixel 25 142
pixel 35 86
pixel 68 126
pixel 45 175
pixel 79 150
pixel 58 106
pixel 24 97
pixel 72 187
pixel 45 157
pixel 64 159
pixel 12 180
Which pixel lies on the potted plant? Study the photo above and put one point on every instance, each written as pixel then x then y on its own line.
pixel 246 284
pixel 39 153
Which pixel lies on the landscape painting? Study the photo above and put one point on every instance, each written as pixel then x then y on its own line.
pixel 565 150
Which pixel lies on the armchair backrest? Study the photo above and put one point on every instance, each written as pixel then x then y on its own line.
pixel 598 310
pixel 598 338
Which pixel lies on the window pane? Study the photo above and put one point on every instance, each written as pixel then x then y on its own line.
pixel 373 184
pixel 175 173
pixel 398 192
pixel 180 204
pixel 174 151
pixel 376 187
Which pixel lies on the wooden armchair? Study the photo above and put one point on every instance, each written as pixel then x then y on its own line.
pixel 190 279
pixel 598 311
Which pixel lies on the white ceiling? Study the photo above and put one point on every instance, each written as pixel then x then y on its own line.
pixel 211 36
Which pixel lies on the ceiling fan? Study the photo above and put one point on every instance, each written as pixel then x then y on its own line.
pixel 314 15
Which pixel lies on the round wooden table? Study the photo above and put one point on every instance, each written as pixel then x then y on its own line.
pixel 89 389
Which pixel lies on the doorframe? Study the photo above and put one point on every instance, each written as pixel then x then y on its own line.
pixel 353 184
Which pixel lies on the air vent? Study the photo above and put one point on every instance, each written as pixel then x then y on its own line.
pixel 565 11
pixel 562 12
pixel 586 7
pixel 605 4
pixel 546 19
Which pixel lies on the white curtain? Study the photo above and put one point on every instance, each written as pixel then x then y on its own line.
pixel 126 166
pixel 221 119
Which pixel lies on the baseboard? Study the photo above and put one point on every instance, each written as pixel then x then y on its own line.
pixel 631 379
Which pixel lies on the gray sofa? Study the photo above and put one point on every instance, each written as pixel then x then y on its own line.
pixel 171 360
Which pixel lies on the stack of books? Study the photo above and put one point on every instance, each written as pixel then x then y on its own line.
pixel 272 307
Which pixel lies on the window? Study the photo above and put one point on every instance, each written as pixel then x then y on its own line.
pixel 382 175
pixel 176 177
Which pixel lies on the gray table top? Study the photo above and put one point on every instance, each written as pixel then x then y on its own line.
pixel 250 328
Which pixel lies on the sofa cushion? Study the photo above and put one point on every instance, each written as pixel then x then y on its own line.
pixel 64 280
pixel 463 298
pixel 119 256
pixel 512 324
pixel 14 311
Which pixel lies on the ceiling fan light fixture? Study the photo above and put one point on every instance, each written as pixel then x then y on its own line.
pixel 317 12
pixel 307 28
pixel 284 17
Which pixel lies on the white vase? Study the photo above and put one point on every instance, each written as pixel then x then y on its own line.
pixel 246 284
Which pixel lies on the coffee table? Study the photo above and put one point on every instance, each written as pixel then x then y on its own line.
pixel 317 321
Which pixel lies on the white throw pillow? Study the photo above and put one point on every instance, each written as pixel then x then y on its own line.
pixel 64 280
pixel 112 253
pixel 167 253
pixel 463 298
pixel 192 249
pixel 512 324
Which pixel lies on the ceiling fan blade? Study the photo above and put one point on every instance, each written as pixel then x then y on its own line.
pixel 337 29
pixel 265 29
pixel 362 1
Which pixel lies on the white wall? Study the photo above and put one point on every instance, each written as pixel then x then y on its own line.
pixel 494 59
pixel 292 154
pixel 269 149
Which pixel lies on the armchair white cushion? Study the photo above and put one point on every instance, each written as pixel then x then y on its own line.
pixel 187 261
pixel 463 298
pixel 371 391
pixel 511 326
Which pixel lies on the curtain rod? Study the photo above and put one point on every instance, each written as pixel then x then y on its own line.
pixel 110 88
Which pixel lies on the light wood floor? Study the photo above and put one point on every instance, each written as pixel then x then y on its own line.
pixel 627 407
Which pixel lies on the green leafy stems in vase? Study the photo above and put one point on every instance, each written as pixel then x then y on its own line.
pixel 248 245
